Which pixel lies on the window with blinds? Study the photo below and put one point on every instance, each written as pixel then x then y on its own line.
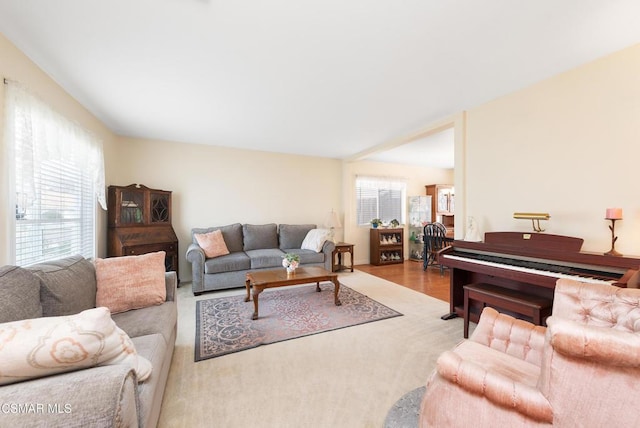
pixel 58 176
pixel 59 221
pixel 382 198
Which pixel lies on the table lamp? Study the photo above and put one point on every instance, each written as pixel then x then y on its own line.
pixel 332 222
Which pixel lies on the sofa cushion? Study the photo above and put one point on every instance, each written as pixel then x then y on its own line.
pixel 315 239
pixel 307 256
pixel 67 285
pixel 292 235
pixel 257 237
pixel 270 257
pixel 150 320
pixel 212 243
pixel 230 262
pixel 153 348
pixel 19 294
pixel 43 346
pixel 232 235
pixel 131 282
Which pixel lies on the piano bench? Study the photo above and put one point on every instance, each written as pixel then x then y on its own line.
pixel 535 307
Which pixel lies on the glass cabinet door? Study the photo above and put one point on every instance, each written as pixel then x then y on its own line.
pixel 445 200
pixel 160 207
pixel 131 207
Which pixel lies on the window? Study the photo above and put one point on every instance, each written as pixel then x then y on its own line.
pixel 382 198
pixel 57 174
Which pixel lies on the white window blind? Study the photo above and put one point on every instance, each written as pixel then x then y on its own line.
pixel 58 172
pixel 379 197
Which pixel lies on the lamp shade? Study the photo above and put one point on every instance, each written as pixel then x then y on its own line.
pixel 332 220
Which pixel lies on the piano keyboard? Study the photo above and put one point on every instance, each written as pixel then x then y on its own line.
pixel 593 279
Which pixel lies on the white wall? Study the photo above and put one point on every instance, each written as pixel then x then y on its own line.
pixel 416 178
pixel 14 65
pixel 215 186
pixel 569 146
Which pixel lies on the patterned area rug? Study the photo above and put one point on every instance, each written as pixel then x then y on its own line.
pixel 224 325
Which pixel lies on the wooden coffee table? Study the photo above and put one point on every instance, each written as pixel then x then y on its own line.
pixel 262 279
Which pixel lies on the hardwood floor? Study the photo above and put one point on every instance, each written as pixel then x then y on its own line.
pixel 411 275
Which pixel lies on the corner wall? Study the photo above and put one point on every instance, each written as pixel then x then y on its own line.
pixel 568 146
pixel 215 186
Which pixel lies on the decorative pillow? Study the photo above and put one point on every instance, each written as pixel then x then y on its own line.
pixel 44 346
pixel 315 239
pixel 231 233
pixel 131 282
pixel 212 243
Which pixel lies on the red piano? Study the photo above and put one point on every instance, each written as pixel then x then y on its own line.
pixel 530 263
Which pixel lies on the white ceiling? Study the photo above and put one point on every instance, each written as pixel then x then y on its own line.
pixel 327 78
pixel 435 151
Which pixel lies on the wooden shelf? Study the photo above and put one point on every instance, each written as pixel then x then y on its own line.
pixel 386 246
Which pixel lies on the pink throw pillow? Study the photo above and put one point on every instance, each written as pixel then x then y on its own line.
pixel 130 282
pixel 212 243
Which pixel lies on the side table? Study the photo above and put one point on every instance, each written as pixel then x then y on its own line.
pixel 341 248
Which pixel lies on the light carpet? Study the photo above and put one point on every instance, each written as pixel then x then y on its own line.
pixel 224 324
pixel 344 378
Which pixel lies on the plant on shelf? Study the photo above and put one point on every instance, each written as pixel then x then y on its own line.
pixel 376 222
pixel 394 223
pixel 291 261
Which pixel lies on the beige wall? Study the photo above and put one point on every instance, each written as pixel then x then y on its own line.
pixel 14 65
pixel 214 186
pixel 416 178
pixel 568 146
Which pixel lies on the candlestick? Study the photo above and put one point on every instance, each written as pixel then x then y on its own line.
pixel 614 214
pixel 614 238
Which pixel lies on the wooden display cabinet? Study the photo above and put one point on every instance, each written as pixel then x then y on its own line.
pixel 442 205
pixel 386 246
pixel 139 220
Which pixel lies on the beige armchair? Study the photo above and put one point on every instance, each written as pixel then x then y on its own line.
pixel 583 370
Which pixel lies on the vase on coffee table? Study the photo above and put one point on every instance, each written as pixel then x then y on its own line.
pixel 290 261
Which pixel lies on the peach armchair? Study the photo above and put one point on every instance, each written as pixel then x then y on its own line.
pixel 582 370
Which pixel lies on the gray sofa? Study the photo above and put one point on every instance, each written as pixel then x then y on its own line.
pixel 251 247
pixel 101 396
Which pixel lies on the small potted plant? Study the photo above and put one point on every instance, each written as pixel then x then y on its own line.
pixel 376 222
pixel 394 223
pixel 291 261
